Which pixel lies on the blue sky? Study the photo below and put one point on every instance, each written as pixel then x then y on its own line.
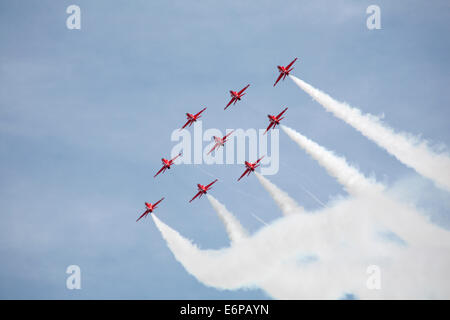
pixel 86 115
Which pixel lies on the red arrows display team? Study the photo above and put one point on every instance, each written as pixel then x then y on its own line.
pixel 236 96
pixel 274 121
pixel 284 71
pixel 149 208
pixel 219 141
pixel 192 118
pixel 202 189
pixel 166 164
pixel 250 167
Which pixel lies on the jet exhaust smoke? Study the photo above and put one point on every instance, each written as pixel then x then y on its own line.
pixel 356 184
pixel 286 204
pixel 411 151
pixel 259 219
pixel 349 177
pixel 236 232
pixel 322 255
pixel 325 254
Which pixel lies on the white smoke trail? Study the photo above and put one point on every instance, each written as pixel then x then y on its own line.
pixel 344 239
pixel 357 184
pixel 196 262
pixel 344 243
pixel 309 193
pixel 326 254
pixel 409 150
pixel 313 196
pixel 255 258
pixel 282 199
pixel 259 219
pixel 228 268
pixel 352 180
pixel 235 230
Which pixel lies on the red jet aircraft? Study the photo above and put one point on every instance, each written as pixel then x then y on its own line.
pixel 202 189
pixel 284 71
pixel 192 118
pixel 166 164
pixel 235 96
pixel 219 141
pixel 274 121
pixel 250 167
pixel 149 208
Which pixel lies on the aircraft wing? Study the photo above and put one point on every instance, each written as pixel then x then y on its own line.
pixel 281 113
pixel 257 161
pixel 145 213
pixel 198 193
pixel 175 157
pixel 158 202
pixel 231 101
pixel 279 77
pixel 290 64
pixel 163 168
pixel 188 122
pixel 215 146
pixel 224 138
pixel 245 88
pixel 245 172
pixel 209 185
pixel 197 114
pixel 268 128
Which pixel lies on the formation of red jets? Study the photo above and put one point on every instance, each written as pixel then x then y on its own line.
pixel 219 142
